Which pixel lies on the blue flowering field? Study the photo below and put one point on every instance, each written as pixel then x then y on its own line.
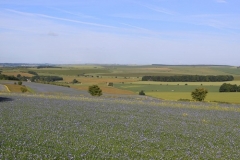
pixel 80 127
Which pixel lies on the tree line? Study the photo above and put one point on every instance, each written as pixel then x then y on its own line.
pixel 226 87
pixel 46 78
pixel 189 78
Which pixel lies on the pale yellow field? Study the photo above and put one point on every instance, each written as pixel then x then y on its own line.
pixel 90 80
pixel 16 73
pixel 214 96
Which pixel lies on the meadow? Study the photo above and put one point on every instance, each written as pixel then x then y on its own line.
pixel 133 127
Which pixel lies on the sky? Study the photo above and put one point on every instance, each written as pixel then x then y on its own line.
pixel 120 31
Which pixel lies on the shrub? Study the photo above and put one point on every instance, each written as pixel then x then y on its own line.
pixel 15 83
pixel 199 94
pixel 110 84
pixel 75 81
pixel 94 90
pixel 23 89
pixel 19 82
pixel 142 93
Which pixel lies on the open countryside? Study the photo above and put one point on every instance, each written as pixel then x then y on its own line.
pixel 53 119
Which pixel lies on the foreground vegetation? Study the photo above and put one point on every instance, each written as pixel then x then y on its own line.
pixel 62 127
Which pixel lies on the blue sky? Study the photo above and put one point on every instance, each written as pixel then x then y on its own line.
pixel 120 32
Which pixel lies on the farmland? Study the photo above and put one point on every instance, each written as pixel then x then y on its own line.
pixel 54 122
pixel 127 79
pixel 63 127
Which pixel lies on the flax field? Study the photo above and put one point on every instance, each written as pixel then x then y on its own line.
pixel 77 127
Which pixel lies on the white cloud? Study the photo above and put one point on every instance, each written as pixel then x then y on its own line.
pixel 221 1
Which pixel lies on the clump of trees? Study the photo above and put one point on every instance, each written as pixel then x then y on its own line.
pixel 189 78
pixel 110 84
pixel 33 73
pixel 46 78
pixel 94 90
pixel 199 94
pixel 227 87
pixel 142 93
pixel 75 81
pixel 5 77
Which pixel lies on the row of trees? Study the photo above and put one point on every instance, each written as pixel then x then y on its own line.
pixel 6 77
pixel 226 87
pixel 46 78
pixel 189 78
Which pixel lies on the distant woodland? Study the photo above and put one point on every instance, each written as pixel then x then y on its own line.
pixel 189 78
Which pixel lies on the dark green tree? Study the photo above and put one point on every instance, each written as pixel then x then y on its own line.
pixel 19 82
pixel 75 81
pixel 199 94
pixel 94 90
pixel 141 93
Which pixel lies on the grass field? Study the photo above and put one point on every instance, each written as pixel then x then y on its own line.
pixel 211 96
pixel 164 88
pixel 54 127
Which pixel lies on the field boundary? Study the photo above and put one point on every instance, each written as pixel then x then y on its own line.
pixel 7 88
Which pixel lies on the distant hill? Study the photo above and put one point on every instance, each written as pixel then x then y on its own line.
pixel 199 65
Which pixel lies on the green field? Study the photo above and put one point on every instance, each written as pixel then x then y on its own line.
pixel 164 87
pixel 211 96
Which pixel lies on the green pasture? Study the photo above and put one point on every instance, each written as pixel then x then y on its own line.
pixel 203 84
pixel 164 88
pixel 211 96
pixel 228 70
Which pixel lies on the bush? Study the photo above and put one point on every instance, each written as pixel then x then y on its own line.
pixel 94 90
pixel 19 82
pixel 142 93
pixel 23 89
pixel 199 94
pixel 110 84
pixel 75 81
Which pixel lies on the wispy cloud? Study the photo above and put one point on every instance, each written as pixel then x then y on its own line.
pixel 72 13
pixel 160 10
pixel 61 19
pixel 135 27
pixel 221 1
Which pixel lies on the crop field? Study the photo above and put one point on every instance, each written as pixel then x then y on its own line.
pixel 16 73
pixel 211 96
pixel 184 83
pixel 62 127
pixel 127 78
pixel 69 72
pixel 164 88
